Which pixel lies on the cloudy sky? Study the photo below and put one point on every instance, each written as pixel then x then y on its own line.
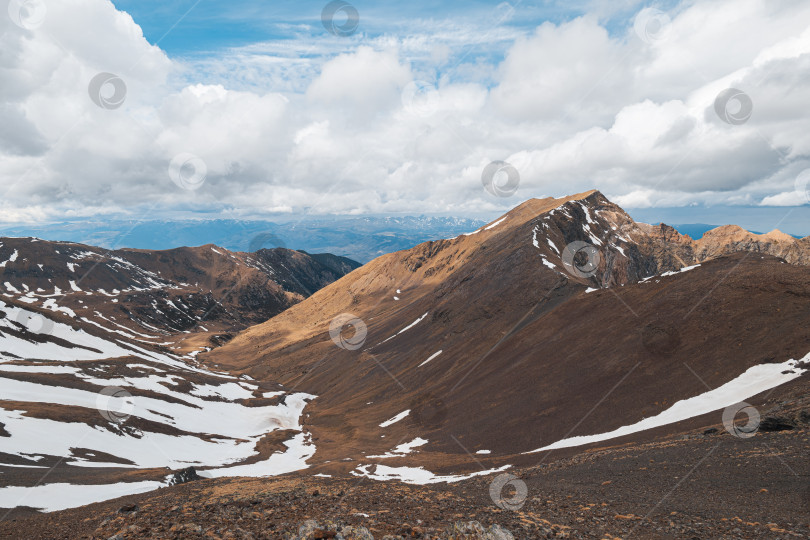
pixel 249 108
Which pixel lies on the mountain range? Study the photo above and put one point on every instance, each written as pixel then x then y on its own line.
pixel 597 367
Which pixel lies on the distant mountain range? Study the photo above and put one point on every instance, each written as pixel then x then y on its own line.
pixel 358 238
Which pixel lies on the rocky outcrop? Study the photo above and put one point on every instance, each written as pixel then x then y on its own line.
pixel 626 251
pixel 731 239
pixel 183 476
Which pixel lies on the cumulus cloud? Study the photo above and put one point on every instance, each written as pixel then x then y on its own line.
pixel 363 83
pixel 397 123
pixel 559 74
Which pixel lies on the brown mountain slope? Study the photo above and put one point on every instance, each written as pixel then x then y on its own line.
pixel 470 355
pixel 526 352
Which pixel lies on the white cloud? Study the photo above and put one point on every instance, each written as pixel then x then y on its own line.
pixel 360 84
pixel 789 198
pixel 320 124
pixel 561 74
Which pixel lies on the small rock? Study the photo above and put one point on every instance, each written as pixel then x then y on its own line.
pixel 776 423
pixel 186 475
pixel 307 528
pixel 128 509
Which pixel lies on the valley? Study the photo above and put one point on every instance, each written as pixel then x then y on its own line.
pixel 562 371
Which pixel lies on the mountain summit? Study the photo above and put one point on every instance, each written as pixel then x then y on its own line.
pixel 505 337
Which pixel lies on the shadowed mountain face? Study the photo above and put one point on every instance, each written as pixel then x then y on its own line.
pixel 563 325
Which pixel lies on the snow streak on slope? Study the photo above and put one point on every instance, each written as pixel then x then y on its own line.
pixel 299 450
pixel 414 323
pixel 30 335
pixel 488 227
pixel 59 342
pixel 416 475
pixel 431 357
pixel 755 380
pixel 396 419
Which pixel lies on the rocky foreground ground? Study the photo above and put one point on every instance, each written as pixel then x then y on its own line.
pixel 697 485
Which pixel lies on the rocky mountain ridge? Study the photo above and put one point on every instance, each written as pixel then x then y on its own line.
pixel 178 293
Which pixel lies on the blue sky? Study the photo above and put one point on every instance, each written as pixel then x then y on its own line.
pixel 210 25
pixel 193 30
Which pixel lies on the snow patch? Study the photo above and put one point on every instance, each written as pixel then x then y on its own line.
pixel 753 381
pixel 54 497
pixel 434 355
pixel 534 238
pixel 12 258
pixel 414 323
pixel 548 263
pixel 681 271
pixel 416 475
pixel 488 227
pixel 403 449
pixel 396 418
pixel 299 450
